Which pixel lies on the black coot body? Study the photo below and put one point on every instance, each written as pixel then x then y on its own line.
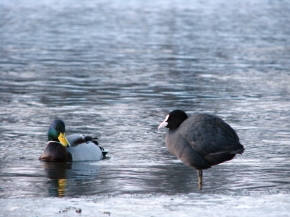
pixel 200 141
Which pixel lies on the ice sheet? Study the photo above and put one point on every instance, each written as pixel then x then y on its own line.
pixel 151 205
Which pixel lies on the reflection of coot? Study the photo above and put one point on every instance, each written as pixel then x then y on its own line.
pixel 200 141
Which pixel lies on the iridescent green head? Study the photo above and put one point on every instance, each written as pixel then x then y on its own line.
pixel 56 132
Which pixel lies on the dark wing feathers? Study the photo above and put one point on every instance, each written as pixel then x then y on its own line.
pixel 210 135
pixel 78 139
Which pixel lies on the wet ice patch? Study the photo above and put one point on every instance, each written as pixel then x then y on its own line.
pixel 197 204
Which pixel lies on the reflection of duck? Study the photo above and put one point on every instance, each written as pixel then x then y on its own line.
pixel 72 148
pixel 57 188
pixel 56 172
pixel 59 174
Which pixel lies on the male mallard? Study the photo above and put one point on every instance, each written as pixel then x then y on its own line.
pixel 72 148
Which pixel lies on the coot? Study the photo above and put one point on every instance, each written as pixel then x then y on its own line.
pixel 200 141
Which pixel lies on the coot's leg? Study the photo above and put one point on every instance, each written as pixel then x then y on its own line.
pixel 199 172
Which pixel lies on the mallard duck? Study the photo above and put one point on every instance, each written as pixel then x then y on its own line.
pixel 200 141
pixel 71 148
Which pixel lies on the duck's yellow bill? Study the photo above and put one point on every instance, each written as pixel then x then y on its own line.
pixel 63 140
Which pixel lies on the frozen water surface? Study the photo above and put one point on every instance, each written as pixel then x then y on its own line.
pixel 196 204
pixel 114 69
